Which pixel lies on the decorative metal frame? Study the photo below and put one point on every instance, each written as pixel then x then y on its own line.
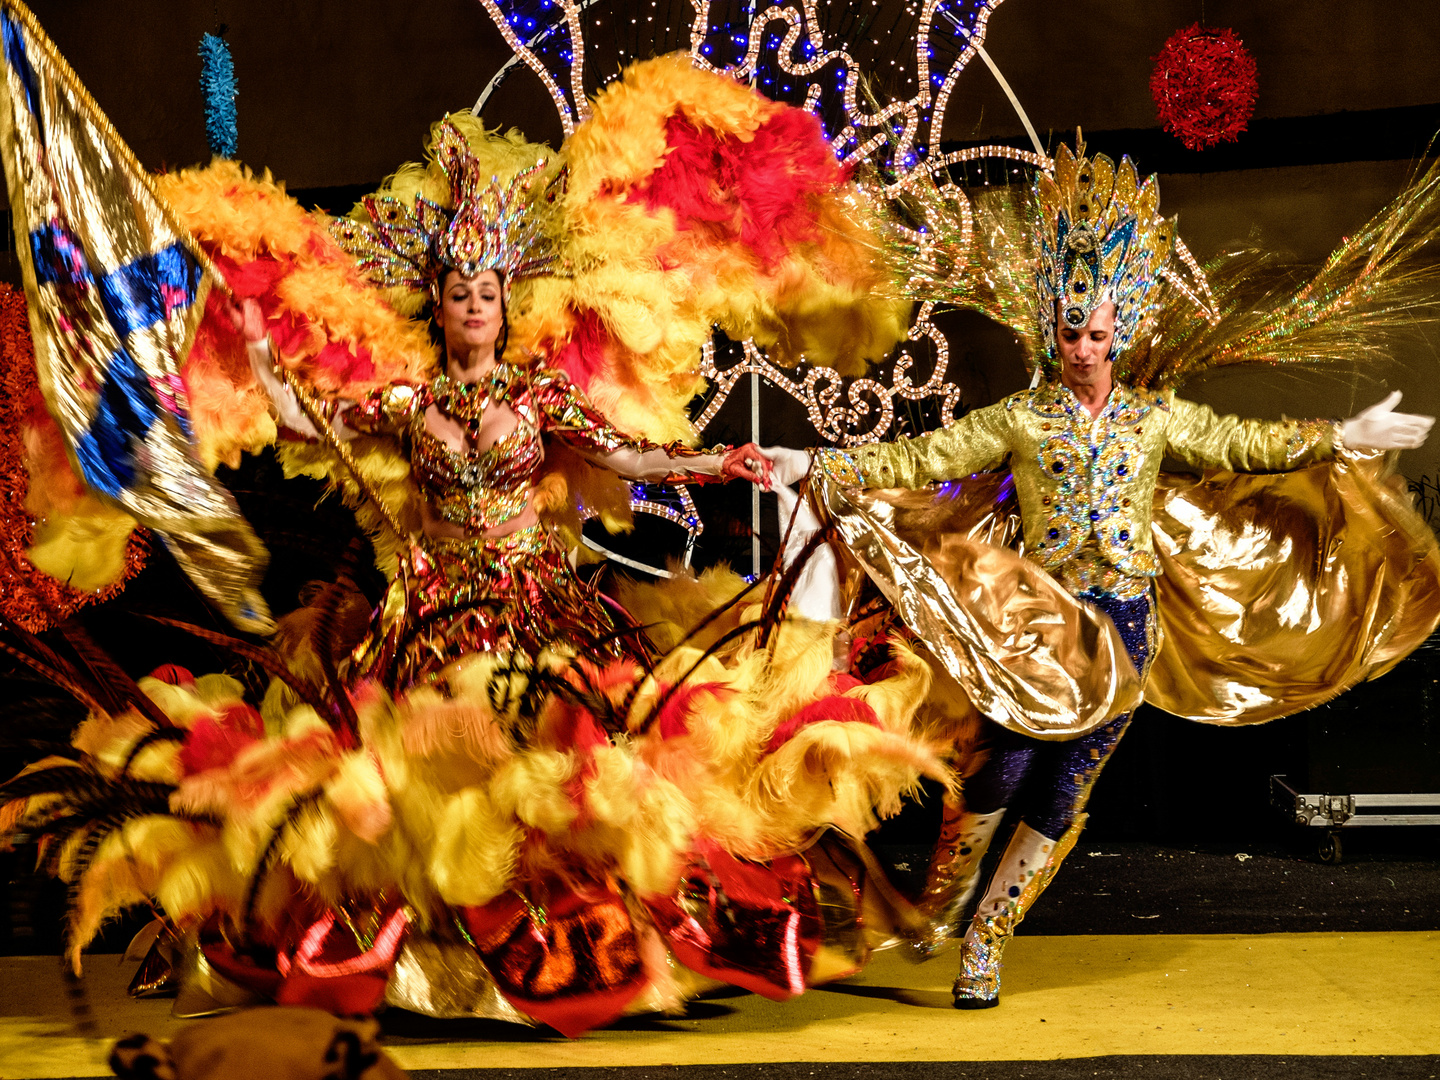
pixel 783 50
pixel 845 422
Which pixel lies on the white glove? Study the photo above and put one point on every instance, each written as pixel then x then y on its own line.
pixel 817 588
pixel 791 466
pixel 1380 427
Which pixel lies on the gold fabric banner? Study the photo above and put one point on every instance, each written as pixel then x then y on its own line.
pixel 116 290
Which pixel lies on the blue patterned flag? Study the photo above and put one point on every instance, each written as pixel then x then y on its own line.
pixel 116 289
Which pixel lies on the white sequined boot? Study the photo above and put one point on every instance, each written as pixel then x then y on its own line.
pixel 1026 868
pixel 954 872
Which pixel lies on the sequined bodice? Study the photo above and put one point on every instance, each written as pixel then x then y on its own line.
pixel 482 489
pixel 478 489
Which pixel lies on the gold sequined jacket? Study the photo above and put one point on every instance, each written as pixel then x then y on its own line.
pixel 1086 485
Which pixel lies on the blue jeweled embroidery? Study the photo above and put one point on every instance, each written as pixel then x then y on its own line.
pixel 1089 461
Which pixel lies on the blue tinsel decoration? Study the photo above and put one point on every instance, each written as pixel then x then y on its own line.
pixel 217 82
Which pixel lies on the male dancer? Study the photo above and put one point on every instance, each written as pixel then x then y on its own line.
pixel 1085 450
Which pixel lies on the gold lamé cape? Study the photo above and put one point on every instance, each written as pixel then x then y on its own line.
pixel 1278 591
pixel 1281 591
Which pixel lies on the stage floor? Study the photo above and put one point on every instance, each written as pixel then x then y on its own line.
pixel 1076 996
pixel 1160 1001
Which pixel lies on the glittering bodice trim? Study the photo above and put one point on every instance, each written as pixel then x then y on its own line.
pixel 478 489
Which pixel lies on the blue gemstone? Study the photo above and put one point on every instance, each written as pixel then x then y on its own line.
pixel 1059 466
pixel 1121 470
pixel 1124 534
pixel 1094 515
pixel 1054 533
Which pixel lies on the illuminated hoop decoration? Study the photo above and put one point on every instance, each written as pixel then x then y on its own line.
pixel 783 51
pixel 868 408
pixel 837 60
pixel 672 502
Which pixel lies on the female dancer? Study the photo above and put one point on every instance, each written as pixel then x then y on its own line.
pixel 488 576
pixel 504 803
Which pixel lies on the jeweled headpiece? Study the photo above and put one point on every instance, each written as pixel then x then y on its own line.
pixel 410 243
pixel 1099 237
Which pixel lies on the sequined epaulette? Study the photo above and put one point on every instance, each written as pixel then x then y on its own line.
pixel 1048 400
pixel 1130 406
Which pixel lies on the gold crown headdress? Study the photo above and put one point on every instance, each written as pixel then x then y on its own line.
pixel 409 244
pixel 1099 237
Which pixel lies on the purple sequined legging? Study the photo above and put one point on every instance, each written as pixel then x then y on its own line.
pixel 1049 782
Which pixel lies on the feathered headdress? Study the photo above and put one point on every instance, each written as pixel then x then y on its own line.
pixel 490 225
pixel 1099 237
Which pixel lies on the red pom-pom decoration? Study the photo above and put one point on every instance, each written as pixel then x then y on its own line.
pixel 1204 86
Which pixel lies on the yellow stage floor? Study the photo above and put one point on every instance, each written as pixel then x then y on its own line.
pixel 1290 994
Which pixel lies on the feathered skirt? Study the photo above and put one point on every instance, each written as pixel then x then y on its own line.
pixel 508 811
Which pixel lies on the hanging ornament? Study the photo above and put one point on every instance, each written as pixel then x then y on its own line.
pixel 1204 86
pixel 217 82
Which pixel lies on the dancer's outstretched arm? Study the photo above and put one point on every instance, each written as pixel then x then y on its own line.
pixel 247 318
pixel 660 464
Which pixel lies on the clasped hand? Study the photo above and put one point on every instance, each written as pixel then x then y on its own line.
pixel 246 317
pixel 768 467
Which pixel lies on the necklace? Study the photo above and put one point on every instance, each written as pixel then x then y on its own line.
pixel 466 402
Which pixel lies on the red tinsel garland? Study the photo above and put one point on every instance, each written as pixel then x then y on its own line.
pixel 28 597
pixel 1204 86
